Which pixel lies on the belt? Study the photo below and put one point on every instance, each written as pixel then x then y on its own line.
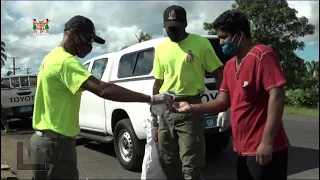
pixel 51 134
pixel 187 98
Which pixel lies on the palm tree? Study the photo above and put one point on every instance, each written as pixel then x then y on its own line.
pixel 3 55
pixel 9 73
pixel 313 68
pixel 143 37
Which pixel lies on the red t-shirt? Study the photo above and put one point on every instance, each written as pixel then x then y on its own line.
pixel 248 88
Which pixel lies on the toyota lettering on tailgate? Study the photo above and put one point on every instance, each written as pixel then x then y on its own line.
pixel 22 99
pixel 208 97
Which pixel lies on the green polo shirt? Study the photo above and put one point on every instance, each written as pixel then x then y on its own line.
pixel 182 65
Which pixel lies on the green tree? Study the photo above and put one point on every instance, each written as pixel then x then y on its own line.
pixel 3 55
pixel 312 68
pixel 9 73
pixel 274 23
pixel 143 36
pixel 311 78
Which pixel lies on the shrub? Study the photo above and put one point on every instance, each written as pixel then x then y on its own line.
pixel 303 98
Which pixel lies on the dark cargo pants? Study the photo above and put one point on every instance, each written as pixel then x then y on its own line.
pixel 58 154
pixel 181 143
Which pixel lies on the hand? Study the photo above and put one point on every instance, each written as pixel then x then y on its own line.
pixel 223 120
pixel 264 153
pixel 162 98
pixel 182 107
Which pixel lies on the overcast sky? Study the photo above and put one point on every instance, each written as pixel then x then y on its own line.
pixel 116 22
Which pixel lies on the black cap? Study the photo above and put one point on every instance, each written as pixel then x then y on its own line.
pixel 85 25
pixel 174 16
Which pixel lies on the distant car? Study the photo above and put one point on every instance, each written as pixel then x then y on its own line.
pixel 17 95
pixel 122 123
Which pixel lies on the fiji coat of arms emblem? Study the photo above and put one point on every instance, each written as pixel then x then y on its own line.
pixel 190 56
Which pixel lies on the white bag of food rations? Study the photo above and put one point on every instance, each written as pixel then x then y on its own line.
pixel 151 167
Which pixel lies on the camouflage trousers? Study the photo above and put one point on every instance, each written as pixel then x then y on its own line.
pixel 181 143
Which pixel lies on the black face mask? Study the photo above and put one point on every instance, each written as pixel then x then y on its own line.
pixel 175 34
pixel 84 48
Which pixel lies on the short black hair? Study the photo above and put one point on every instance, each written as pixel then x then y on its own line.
pixel 233 21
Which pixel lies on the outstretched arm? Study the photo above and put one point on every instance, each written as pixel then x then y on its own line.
pixel 76 78
pixel 113 92
pixel 220 104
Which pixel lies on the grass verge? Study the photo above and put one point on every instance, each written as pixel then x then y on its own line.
pixel 301 111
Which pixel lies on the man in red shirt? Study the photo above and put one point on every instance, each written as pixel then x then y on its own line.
pixel 253 86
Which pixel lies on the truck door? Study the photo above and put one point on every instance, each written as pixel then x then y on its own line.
pixel 82 114
pixel 92 104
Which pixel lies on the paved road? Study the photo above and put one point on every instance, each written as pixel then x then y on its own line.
pixel 97 161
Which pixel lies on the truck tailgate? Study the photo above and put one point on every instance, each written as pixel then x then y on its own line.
pixel 16 97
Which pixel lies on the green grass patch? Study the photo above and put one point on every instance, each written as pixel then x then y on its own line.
pixel 301 111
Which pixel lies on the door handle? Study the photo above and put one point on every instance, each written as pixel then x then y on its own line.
pixel 24 93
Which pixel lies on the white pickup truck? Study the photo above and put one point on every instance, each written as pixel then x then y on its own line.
pixel 122 123
pixel 17 95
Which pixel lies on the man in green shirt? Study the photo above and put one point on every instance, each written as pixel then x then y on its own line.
pixel 179 67
pixel 61 79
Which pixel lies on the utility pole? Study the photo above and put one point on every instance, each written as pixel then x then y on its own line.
pixel 14 64
pixel 27 70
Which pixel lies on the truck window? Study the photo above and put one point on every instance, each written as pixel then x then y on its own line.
pixel 33 80
pixel 5 83
pixel 15 82
pixel 98 67
pixel 136 63
pixel 126 65
pixel 144 63
pixel 24 81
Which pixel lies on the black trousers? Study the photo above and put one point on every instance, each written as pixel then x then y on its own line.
pixel 249 169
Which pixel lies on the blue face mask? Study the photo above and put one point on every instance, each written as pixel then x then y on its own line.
pixel 230 48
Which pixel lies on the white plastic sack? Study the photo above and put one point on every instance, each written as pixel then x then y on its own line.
pixel 151 167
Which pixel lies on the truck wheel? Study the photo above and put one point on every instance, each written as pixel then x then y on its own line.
pixel 127 145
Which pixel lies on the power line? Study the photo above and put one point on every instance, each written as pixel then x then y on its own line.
pixel 14 64
pixel 27 69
